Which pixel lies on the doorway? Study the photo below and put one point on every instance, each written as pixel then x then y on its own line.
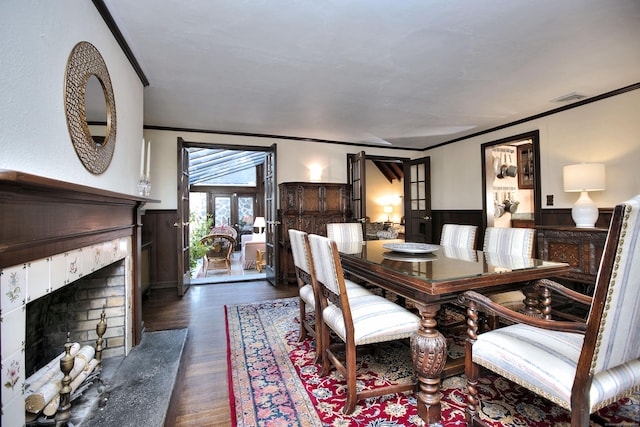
pixel 226 190
pixel 511 181
pixel 400 198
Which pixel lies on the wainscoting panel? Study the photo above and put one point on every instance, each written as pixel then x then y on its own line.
pixel 160 235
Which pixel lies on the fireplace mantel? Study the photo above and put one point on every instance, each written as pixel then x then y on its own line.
pixel 41 217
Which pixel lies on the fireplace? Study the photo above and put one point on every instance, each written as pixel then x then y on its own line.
pixel 55 236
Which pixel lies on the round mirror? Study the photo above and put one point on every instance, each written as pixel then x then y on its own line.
pixel 88 95
pixel 95 107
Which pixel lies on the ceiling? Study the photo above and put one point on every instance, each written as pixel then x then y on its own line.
pixel 410 74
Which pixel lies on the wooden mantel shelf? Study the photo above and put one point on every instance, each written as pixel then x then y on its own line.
pixel 28 181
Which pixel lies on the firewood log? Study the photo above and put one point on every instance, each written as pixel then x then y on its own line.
pixel 42 376
pixel 35 401
pixel 51 409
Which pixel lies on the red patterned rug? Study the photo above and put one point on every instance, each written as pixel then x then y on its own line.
pixel 274 382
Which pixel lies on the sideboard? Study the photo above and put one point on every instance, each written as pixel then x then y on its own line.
pixel 581 248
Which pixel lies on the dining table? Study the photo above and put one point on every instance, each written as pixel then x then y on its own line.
pixel 429 276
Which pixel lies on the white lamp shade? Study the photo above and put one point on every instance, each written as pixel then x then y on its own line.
pixel 584 177
pixel 259 222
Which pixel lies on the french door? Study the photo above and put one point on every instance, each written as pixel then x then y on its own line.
pixel 417 196
pixel 182 220
pixel 274 228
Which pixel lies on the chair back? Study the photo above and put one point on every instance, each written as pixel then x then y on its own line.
pixel 614 319
pixel 459 236
pixel 225 229
pixel 218 245
pixel 299 250
pixel 509 241
pixel 345 232
pixel 326 264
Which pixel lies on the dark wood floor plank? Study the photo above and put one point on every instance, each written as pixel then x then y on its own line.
pixel 204 400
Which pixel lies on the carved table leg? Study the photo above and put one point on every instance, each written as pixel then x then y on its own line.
pixel 429 354
pixel 531 302
pixel 545 302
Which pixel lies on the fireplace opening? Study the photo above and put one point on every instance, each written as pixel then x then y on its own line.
pixel 76 309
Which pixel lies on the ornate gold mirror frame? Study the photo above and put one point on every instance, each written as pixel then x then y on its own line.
pixel 85 61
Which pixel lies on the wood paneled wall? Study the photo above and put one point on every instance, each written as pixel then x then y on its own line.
pixel 161 235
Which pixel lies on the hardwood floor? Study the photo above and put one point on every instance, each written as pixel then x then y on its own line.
pixel 204 399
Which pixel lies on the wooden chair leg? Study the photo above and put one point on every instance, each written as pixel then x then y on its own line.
pixel 323 334
pixel 303 316
pixel 473 403
pixel 352 391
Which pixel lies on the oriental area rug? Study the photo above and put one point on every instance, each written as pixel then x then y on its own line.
pixel 273 381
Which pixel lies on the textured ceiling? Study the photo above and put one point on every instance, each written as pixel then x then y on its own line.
pixel 411 73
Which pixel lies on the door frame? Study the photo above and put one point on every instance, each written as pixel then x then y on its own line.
pixel 353 160
pixel 534 136
pixel 267 149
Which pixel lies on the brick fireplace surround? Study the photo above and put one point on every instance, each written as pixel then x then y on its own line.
pixel 53 233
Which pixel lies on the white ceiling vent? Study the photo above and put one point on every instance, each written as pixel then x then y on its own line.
pixel 571 97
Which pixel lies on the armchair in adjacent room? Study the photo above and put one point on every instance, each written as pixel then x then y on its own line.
pixel 251 244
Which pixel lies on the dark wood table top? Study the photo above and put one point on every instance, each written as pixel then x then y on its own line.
pixel 445 272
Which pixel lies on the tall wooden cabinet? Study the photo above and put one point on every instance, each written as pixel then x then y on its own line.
pixel 309 206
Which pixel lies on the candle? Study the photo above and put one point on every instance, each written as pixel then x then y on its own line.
pixel 148 175
pixel 142 159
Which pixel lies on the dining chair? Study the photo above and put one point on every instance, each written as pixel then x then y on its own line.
pixel 584 365
pixel 366 319
pixel 306 291
pixel 345 231
pixel 514 242
pixel 459 236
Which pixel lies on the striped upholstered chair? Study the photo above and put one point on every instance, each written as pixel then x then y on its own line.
pixel 345 232
pixel 306 291
pixel 459 236
pixel 516 242
pixel 357 321
pixel 581 366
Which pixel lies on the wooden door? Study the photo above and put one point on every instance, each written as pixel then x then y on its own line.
pixel 182 222
pixel 270 212
pixel 417 196
pixel 356 168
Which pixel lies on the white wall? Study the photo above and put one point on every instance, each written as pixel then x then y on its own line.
pixel 606 131
pixel 36 39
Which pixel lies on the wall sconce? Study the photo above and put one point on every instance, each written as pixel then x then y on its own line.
pixel 315 172
pixel 260 224
pixel 584 177
pixel 388 210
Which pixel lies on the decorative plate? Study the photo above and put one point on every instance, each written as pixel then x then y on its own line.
pixel 411 248
pixel 396 256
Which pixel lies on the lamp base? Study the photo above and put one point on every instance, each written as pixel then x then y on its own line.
pixel 584 211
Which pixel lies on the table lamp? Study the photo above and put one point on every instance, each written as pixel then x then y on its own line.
pixel 259 224
pixel 388 210
pixel 584 177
